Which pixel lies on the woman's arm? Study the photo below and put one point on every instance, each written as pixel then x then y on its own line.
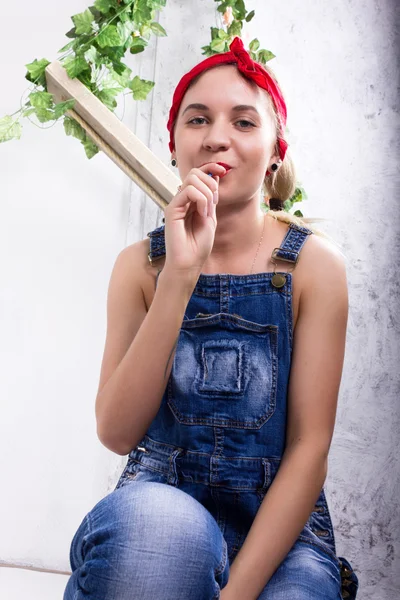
pixel 316 370
pixel 139 351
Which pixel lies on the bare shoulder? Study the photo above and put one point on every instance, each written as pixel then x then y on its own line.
pixel 322 273
pixel 137 249
pixel 136 256
pixel 145 272
pixel 129 271
pixel 321 257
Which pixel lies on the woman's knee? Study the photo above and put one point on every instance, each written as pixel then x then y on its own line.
pixel 149 527
pixel 155 513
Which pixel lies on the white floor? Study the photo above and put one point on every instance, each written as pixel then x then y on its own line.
pixel 23 584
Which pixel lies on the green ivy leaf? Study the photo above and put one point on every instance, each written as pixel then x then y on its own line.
pixel 62 107
pixel 250 16
pixel 41 99
pixel 85 77
pixel 72 127
pixel 145 32
pixel 141 12
pixel 122 76
pixel 254 45
pixel 109 82
pixel 75 65
pixel 298 213
pixel 140 88
pixel 214 33
pixel 92 56
pixel 218 45
pixel 235 28
pixel 136 49
pixel 36 71
pixel 9 129
pixel 107 97
pixel 71 33
pixel 67 46
pixel 297 196
pixel 264 56
pixel 44 114
pixel 114 53
pixel 109 37
pixel 222 7
pixel 28 111
pixel 125 31
pixel 158 29
pixel 239 10
pixel 157 4
pixel 90 147
pixel 83 22
pixel 137 45
pixel 98 15
pixel 104 5
pixel 207 50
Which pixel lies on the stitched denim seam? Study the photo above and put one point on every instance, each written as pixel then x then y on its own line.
pixel 222 564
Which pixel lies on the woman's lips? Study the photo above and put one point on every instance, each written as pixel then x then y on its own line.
pixel 225 165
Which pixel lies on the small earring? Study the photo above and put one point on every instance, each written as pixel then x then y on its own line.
pixel 274 167
pixel 173 162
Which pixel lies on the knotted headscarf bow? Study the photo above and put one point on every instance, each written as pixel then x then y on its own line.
pixel 250 69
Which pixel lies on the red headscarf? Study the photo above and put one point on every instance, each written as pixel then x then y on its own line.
pixel 251 69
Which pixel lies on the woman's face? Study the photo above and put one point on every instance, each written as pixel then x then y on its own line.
pixel 241 137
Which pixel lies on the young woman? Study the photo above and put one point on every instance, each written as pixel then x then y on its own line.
pixel 221 373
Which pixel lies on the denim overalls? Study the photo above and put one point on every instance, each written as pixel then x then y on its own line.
pixel 219 434
pixel 192 487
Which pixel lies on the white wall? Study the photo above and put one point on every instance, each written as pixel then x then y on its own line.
pixel 65 219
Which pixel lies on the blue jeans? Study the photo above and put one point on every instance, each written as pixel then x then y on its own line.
pixel 148 540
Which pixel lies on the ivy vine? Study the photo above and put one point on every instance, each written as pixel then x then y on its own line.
pixel 100 38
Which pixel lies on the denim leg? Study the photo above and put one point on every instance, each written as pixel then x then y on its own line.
pixel 307 573
pixel 148 541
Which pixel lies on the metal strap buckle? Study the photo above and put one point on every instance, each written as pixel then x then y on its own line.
pixel 151 260
pixel 274 252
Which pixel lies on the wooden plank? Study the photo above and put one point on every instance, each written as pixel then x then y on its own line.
pixel 127 151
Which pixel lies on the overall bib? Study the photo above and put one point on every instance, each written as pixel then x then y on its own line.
pixel 219 437
pixel 219 434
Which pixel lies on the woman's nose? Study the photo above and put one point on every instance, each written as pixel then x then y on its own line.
pixel 216 137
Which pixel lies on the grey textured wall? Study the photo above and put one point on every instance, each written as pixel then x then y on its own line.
pixel 338 65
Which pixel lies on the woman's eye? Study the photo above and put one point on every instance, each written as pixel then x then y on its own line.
pixel 196 119
pixel 248 122
pixel 241 121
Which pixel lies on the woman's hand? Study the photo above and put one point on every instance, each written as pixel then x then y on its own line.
pixel 189 233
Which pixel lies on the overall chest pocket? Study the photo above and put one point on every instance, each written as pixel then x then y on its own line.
pixel 224 373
